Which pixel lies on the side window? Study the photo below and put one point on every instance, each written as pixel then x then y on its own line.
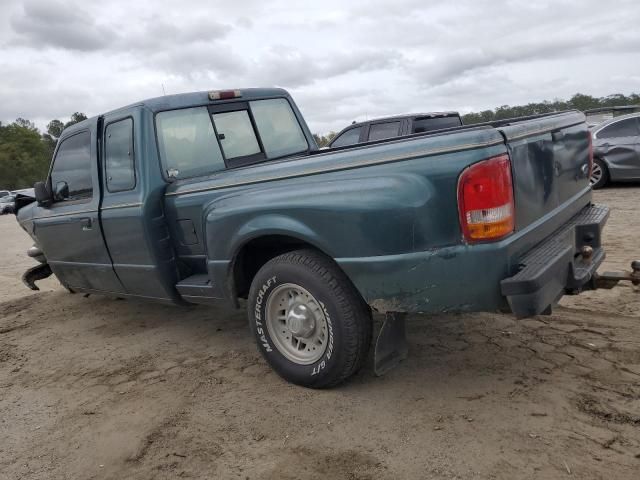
pixel 623 128
pixel 187 143
pixel 118 149
pixel 426 124
pixel 350 137
pixel 278 127
pixel 72 164
pixel 380 131
pixel 236 134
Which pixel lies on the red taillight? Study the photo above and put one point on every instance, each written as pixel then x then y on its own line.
pixel 485 200
pixel 224 94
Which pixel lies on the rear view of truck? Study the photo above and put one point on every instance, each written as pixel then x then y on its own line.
pixel 524 218
pixel 555 244
pixel 551 160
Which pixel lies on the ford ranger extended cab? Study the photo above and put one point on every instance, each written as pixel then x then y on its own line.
pixel 223 195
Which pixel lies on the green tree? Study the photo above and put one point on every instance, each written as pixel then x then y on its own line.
pixel 24 156
pixel 55 128
pixel 75 118
pixel 323 140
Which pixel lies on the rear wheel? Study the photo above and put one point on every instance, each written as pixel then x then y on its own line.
pixel 310 323
pixel 599 174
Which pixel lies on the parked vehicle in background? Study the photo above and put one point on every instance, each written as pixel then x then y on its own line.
pixel 25 191
pixel 210 196
pixel 4 193
pixel 596 116
pixel 7 204
pixel 616 150
pixel 396 126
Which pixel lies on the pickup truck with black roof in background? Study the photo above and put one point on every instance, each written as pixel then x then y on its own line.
pixel 395 126
pixel 223 196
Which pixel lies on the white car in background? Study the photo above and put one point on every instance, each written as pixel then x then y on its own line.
pixel 7 203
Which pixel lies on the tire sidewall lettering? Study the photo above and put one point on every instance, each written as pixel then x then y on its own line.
pixel 322 363
pixel 258 314
pixel 264 340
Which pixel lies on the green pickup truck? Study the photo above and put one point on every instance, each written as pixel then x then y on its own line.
pixel 224 195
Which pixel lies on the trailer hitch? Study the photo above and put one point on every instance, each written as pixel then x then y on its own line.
pixel 608 280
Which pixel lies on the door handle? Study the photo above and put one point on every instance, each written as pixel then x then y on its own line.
pixel 86 223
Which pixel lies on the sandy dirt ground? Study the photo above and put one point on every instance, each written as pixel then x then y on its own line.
pixel 104 388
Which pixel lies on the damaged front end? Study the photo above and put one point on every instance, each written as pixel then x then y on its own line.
pixel 39 272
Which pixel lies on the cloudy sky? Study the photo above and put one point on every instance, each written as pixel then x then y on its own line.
pixel 342 60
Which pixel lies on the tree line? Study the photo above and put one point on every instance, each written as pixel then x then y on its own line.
pixel 25 152
pixel 578 101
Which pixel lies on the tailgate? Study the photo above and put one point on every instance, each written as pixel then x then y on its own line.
pixel 550 158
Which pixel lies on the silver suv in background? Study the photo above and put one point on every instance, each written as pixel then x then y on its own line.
pixel 616 150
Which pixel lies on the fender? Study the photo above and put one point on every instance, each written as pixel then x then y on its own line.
pixel 342 217
pixel 352 217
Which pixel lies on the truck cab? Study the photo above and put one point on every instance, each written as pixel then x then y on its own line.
pixel 105 227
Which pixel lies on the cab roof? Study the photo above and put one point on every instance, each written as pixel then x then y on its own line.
pixel 186 100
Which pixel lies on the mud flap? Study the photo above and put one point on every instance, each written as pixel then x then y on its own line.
pixel 391 345
pixel 39 272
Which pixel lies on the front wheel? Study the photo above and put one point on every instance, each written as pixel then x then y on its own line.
pixel 599 174
pixel 310 323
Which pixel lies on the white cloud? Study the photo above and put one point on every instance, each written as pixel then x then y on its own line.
pixel 341 61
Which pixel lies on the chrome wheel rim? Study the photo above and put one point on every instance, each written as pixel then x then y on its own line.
pixel 596 174
pixel 296 324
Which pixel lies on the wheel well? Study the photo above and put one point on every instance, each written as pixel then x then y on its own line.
pixel 602 160
pixel 254 254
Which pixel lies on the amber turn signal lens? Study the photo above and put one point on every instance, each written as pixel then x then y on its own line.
pixel 485 200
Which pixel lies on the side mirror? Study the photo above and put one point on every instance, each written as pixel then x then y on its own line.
pixel 42 194
pixel 60 191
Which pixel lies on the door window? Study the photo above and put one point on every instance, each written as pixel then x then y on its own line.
pixel 623 128
pixel 426 124
pixel 380 131
pixel 119 156
pixel 72 165
pixel 350 137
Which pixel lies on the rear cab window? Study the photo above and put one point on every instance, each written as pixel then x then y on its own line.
pixel 203 140
pixel 72 164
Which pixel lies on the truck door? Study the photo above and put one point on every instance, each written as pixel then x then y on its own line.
pixel 69 231
pixel 132 207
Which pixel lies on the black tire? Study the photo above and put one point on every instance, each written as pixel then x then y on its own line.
pixel 603 178
pixel 347 316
